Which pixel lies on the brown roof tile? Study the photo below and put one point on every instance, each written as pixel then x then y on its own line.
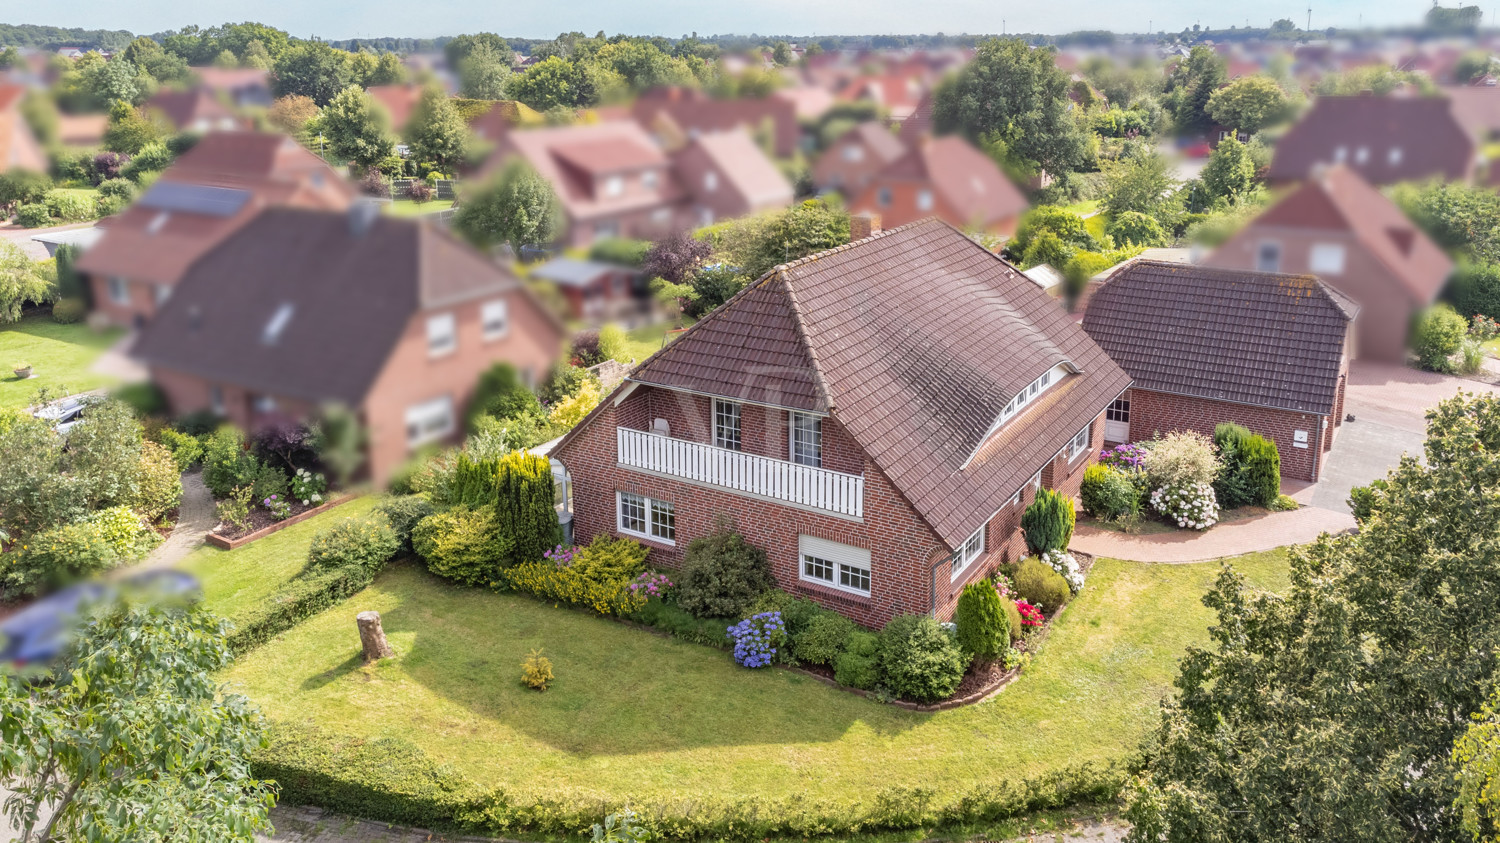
pixel 1387 139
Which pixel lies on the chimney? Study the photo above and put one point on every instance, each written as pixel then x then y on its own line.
pixel 862 225
pixel 362 215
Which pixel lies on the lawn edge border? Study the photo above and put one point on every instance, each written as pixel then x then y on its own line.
pixel 230 544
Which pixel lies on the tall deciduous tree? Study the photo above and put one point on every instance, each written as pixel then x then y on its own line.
pixel 358 130
pixel 1250 104
pixel 1012 94
pixel 483 72
pixel 1140 183
pixel 134 739
pixel 435 132
pixel 1229 172
pixel 1330 713
pixel 312 69
pixel 517 206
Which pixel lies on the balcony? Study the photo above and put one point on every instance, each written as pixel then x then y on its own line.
pixel 778 480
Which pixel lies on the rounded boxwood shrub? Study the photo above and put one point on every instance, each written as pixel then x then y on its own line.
pixel 722 575
pixel 858 666
pixel 1108 493
pixel 1038 584
pixel 983 628
pixel 608 559
pixel 461 544
pixel 823 638
pixel 918 660
pixel 1439 332
pixel 367 542
pixel 1048 522
pixel 33 215
pixel 403 512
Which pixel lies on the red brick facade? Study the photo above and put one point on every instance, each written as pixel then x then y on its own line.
pixel 907 556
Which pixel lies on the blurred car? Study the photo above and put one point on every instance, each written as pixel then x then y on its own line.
pixel 63 415
pixel 38 634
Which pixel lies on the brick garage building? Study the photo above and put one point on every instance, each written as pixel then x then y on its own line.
pixel 875 417
pixel 1204 346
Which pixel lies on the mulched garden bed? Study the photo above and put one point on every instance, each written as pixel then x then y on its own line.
pixel 263 523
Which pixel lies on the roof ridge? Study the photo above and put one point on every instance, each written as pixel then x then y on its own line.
pixel 812 354
pixel 806 259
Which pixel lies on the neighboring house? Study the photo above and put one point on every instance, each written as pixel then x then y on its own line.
pixel 19 148
pixel 689 112
pixel 195 110
pixel 1339 228
pixel 947 178
pixel 1204 346
pixel 613 180
pixel 897 93
pixel 875 417
pixel 246 87
pixel 393 318
pixel 82 130
pixel 1385 139
pixel 208 192
pixel 856 157
pixel 1477 109
pixel 501 117
pixel 919 125
pixel 595 291
pixel 399 101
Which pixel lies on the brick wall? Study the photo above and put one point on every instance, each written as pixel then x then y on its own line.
pixel 1158 412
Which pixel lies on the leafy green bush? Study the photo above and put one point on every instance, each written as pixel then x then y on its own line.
pixel 57 557
pixel 1039 585
pixel 918 660
pixel 1364 500
pixel 610 559
pixel 823 638
pixel 305 595
pixel 365 541
pixel 153 157
pixel 1262 469
pixel 620 250
pixel 1476 289
pixel 677 622
pixel 858 666
pixel 33 215
pixel 722 574
pixel 1137 229
pixel 462 544
pixel 564 381
pixel 983 627
pixel 145 399
pixel 158 483
pixel 69 311
pixel 1048 522
pixel 1108 493
pixel 1439 332
pixel 403 512
pixel 1065 225
pixel 1231 486
pixel 226 463
pixel 612 340
pixel 1181 458
pixel 1012 619
pixel 566 584
pixel 69 206
pixel 185 449
pixel 267 480
pixel 500 394
pixel 121 188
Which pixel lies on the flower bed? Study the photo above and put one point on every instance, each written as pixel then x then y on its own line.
pixel 263 524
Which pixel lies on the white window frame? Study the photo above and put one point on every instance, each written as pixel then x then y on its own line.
pixel 1326 259
pixel 614 186
pixel 657 518
pixel 854 153
pixel 119 290
pixel 846 564
pixel 649 179
pixel 728 410
pixel 1030 392
pixel 924 200
pixel 1393 158
pixel 970 551
pixel 265 404
pixel 494 319
pixel 216 399
pixel 433 419
pixel 1118 410
pixel 1081 442
pixel 1260 252
pixel 800 425
pixel 1036 481
pixel 442 335
pixel 710 181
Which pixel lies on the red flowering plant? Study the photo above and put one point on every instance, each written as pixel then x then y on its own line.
pixel 1030 615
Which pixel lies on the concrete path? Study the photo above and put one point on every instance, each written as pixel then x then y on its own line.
pixel 195 517
pixel 1250 535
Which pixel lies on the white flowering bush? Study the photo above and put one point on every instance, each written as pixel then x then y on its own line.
pixel 1063 562
pixel 1191 505
pixel 308 487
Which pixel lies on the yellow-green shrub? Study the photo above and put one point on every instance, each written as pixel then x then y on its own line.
pixel 607 559
pixel 574 587
pixel 536 671
pixel 461 544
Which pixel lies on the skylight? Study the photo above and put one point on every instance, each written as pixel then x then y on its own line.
pixel 277 324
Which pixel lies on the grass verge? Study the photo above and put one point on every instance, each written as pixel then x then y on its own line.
pixel 60 356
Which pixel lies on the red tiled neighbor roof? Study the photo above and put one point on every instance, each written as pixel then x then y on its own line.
pixel 1386 139
pixel 182 108
pixel 964 178
pixel 914 339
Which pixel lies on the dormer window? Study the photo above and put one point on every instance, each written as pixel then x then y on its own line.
pixel 1394 157
pixel 1023 397
pixel 710 181
pixel 276 324
pixel 614 186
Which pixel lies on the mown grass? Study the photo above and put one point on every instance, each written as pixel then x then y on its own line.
pixel 60 356
pixel 635 715
pixel 408 208
pixel 649 339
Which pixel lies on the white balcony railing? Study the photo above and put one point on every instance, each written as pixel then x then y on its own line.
pixel 781 480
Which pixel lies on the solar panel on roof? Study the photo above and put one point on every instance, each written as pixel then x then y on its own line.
pixel 195 199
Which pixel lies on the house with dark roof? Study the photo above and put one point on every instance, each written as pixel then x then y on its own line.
pixel 203 197
pixel 875 417
pixel 1266 350
pixel 297 309
pixel 1339 228
pixel 948 178
pixel 194 110
pixel 856 157
pixel 1385 139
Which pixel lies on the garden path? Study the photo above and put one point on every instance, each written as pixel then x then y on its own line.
pixel 195 517
pixel 1250 535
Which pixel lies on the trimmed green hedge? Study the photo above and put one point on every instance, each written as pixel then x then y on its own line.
pixel 299 600
pixel 392 780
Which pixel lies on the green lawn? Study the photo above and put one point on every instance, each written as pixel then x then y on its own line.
pixel 407 208
pixel 60 356
pixel 635 715
pixel 236 580
pixel 1083 209
pixel 1492 348
pixel 646 341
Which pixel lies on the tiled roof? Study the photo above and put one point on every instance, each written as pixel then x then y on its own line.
pixel 752 175
pixel 1386 139
pixel 1259 338
pixel 968 181
pixel 914 340
pixel 183 107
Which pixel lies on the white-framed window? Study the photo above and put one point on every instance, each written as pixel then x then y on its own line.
pixel 442 335
pixel 924 200
pixel 710 181
pixel 1326 259
pixel 119 291
pixel 1340 154
pixel 163 292
pixel 649 179
pixel 216 399
pixel 646 517
pixel 1036 482
pixel 854 153
pixel 1080 443
pixel 1118 411
pixel 1268 256
pixel 834 564
pixel 806 439
pixel 1394 156
pixel 1362 155
pixel 969 551
pixel 1029 392
pixel 429 421
pixel 726 424
pixel 614 186
pixel 494 318
pixel 264 404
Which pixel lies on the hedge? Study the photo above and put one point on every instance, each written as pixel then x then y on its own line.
pixel 300 599
pixel 393 780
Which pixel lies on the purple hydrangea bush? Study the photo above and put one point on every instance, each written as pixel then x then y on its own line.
pixel 757 639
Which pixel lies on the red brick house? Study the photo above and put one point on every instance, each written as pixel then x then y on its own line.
pixel 194 110
pixel 947 178
pixel 876 417
pixel 19 148
pixel 1203 346
pixel 300 308
pixel 860 154
pixel 1339 228
pixel 206 195
pixel 1385 139
pixel 691 112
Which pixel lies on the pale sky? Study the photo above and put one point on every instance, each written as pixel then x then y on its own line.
pixel 339 19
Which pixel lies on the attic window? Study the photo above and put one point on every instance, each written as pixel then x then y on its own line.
pixel 1029 393
pixel 924 200
pixel 157 222
pixel 710 181
pixel 276 324
pixel 1395 156
pixel 1362 155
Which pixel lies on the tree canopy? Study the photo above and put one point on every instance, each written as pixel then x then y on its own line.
pixel 516 206
pixel 1250 104
pixel 435 132
pixel 483 72
pixel 312 69
pixel 358 130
